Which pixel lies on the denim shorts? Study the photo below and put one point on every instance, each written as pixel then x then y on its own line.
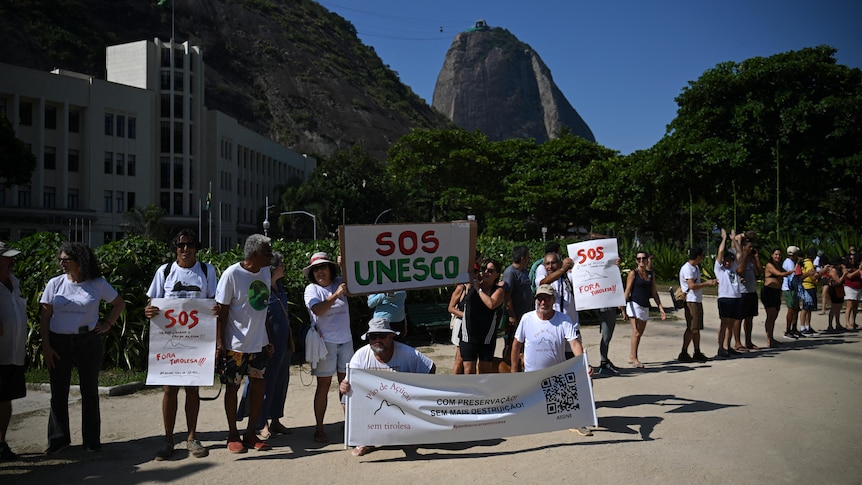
pixel 336 360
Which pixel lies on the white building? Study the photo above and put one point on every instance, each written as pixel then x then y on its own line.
pixel 142 137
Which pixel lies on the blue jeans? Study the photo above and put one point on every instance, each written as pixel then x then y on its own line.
pixel 83 351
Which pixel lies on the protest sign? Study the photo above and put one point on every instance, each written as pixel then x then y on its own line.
pixel 182 342
pixel 596 276
pixel 382 258
pixel 399 408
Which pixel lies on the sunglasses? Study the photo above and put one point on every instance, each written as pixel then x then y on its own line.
pixel 489 270
pixel 377 336
pixel 64 260
pixel 184 245
pixel 641 259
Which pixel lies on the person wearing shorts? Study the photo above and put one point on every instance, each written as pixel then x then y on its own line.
pixel 791 296
pixel 691 284
pixel 242 337
pixel 729 276
pixel 13 344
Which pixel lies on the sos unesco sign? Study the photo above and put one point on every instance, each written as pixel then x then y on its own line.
pixel 381 258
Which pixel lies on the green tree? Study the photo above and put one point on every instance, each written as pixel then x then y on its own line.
pixel 145 222
pixel 796 116
pixel 16 161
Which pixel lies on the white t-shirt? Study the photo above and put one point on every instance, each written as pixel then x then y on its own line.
pixel 729 284
pixel 545 341
pixel 787 265
pixel 404 359
pixel 334 324
pixel 183 282
pixel 690 272
pixel 247 294
pixel 562 293
pixel 13 316
pixel 75 304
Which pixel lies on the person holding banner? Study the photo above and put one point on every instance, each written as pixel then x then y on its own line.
pixel 384 353
pixel 558 274
pixel 640 286
pixel 243 336
pixel 482 314
pixel 72 337
pixel 326 300
pixel 184 278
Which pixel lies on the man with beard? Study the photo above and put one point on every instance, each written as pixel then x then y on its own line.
pixel 384 353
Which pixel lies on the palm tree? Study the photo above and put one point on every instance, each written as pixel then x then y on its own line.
pixel 145 222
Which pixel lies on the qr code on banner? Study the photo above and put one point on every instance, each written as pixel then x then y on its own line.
pixel 561 393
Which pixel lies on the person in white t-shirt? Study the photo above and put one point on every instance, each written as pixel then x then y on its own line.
pixel 689 281
pixel 544 333
pixel 243 336
pixel 729 274
pixel 13 343
pixel 384 353
pixel 184 278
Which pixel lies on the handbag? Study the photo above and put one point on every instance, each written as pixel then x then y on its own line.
pixel 455 321
pixel 679 297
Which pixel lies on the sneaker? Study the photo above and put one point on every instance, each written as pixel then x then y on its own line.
pixel 790 336
pixel 733 351
pixel 812 332
pixel 93 448
pixel 722 352
pixel 55 448
pixel 807 332
pixel 684 357
pixel 6 453
pixel 583 431
pixel 699 357
pixel 608 368
pixel 196 449
pixel 165 452
pixel 798 334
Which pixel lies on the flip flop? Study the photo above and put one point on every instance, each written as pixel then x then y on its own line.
pixel 259 446
pixel 236 447
pixel 361 450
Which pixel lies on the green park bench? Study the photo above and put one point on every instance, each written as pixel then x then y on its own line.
pixel 429 319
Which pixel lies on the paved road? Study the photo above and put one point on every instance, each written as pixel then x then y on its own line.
pixel 772 416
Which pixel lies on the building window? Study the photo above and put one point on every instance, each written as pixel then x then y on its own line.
pixel 109 201
pixel 24 196
pixel 165 201
pixel 74 160
pixel 109 162
pixel 50 158
pixel 74 122
pixel 72 199
pixel 178 106
pixel 178 137
pixel 130 166
pixel 121 126
pixel 178 173
pixel 121 164
pixel 133 128
pixel 130 200
pixel 178 203
pixel 165 173
pixel 109 124
pixel 166 56
pixel 165 105
pixel 165 136
pixel 178 81
pixel 165 77
pixel 179 57
pixel 121 201
pixel 50 117
pixel 49 198
pixel 3 108
pixel 25 113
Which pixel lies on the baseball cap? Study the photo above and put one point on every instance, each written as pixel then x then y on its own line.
pixel 793 250
pixel 545 289
pixel 6 250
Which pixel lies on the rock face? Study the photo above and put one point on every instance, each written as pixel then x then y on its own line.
pixel 492 82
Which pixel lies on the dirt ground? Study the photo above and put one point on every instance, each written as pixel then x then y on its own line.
pixel 789 415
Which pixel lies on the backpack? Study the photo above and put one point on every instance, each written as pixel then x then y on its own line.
pixel 170 266
pixel 533 269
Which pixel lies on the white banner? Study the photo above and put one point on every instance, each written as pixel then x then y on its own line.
pixel 182 342
pixel 381 258
pixel 596 276
pixel 397 408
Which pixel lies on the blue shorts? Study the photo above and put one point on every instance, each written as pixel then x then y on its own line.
pixel 336 360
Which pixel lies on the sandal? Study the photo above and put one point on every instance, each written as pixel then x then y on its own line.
pixel 236 447
pixel 361 450
pixel 258 445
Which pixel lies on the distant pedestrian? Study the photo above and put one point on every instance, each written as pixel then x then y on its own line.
pixel 13 344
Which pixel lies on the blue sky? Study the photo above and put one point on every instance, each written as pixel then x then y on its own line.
pixel 620 63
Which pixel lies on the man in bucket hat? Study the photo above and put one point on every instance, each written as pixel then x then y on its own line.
pixel 383 352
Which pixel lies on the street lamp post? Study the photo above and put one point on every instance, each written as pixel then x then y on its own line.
pixel 266 209
pixel 379 215
pixel 309 214
pixel 544 233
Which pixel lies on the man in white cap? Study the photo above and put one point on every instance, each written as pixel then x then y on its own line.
pixel 13 344
pixel 789 290
pixel 383 352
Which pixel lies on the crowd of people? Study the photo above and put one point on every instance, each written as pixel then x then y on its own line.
pixel 534 305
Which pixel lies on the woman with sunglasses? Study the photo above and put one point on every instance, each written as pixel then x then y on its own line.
pixel 770 295
pixel 640 286
pixel 481 318
pixel 72 337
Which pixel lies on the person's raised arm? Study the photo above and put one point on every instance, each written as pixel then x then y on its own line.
pixel 454 300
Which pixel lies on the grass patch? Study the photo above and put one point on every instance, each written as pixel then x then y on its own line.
pixel 107 377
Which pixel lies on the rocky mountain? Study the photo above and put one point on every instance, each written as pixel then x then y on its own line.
pixel 288 69
pixel 494 83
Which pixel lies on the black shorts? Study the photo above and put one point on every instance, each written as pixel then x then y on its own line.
pixel 473 351
pixel 749 305
pixel 770 297
pixel 12 382
pixel 730 308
